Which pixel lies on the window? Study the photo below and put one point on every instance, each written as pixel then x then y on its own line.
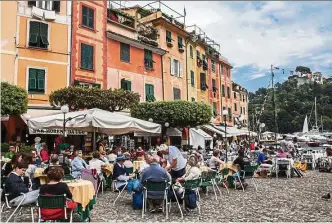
pixel 214 87
pixel 86 56
pixel 198 54
pixel 221 68
pixel 192 78
pixel 36 84
pixel 235 107
pixel 125 52
pixel 213 67
pixel 125 85
pixel 180 44
pixel 230 113
pixel 215 112
pixel 243 98
pixel 176 68
pixel 88 17
pixel 148 62
pixel 223 90
pixel 47 5
pixel 86 85
pixel 192 99
pixel 203 81
pixel 191 51
pixel 234 95
pixel 244 110
pixel 149 93
pixel 228 92
pixel 38 35
pixel 241 109
pixel 177 93
pixel 168 36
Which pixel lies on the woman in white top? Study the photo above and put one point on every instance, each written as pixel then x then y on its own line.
pixel 193 172
pixel 215 161
pixel 96 163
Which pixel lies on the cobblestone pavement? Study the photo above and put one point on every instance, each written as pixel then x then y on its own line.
pixel 295 199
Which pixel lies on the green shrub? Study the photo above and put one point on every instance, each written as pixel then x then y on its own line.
pixel 4 147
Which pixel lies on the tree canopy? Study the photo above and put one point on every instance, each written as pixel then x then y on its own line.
pixel 87 98
pixel 14 99
pixel 177 113
pixel 293 103
pixel 303 70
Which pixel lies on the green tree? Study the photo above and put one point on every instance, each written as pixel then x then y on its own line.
pixel 302 69
pixel 14 99
pixel 106 99
pixel 176 113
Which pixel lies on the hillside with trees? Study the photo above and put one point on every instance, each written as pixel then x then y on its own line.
pixel 293 103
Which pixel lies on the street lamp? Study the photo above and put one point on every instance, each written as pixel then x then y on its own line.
pixel 225 113
pixel 65 110
pixel 150 120
pixel 27 117
pixel 166 124
pixel 261 126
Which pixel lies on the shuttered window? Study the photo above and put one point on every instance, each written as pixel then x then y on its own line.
pixel 87 57
pixel 56 6
pixel 214 87
pixel 176 68
pixel 168 36
pixel 38 35
pixel 125 52
pixel 228 92
pixel 177 93
pixel 148 62
pixel 223 90
pixel 180 44
pixel 191 51
pixel 213 66
pixel 192 99
pixel 235 107
pixel 230 113
pixel 149 93
pixel 36 84
pixel 203 81
pixel 198 54
pixel 192 78
pixel 88 17
pixel 125 85
pixel 215 112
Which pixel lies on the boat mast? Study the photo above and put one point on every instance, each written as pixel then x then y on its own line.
pixel 316 114
pixel 321 122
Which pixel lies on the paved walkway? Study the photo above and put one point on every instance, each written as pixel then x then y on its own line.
pixel 296 199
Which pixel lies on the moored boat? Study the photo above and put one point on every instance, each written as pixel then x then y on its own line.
pixel 315 143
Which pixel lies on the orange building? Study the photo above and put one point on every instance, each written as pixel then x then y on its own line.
pixel 89 45
pixel 134 61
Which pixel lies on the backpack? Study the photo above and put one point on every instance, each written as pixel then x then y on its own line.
pixel 190 199
pixel 137 201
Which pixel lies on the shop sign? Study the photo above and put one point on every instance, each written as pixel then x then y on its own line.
pixel 56 132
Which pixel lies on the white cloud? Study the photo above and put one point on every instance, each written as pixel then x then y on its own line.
pixel 256 76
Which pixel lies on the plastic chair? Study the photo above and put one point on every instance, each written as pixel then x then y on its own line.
pixel 208 180
pixel 155 186
pixel 194 186
pixel 53 202
pixel 249 173
pixel 222 177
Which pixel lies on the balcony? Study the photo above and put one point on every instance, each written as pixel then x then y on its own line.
pixel 120 17
pixel 148 35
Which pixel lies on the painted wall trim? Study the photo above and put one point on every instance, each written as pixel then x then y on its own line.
pixel 43 61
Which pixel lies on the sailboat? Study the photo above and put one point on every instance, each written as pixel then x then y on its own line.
pixel 305 126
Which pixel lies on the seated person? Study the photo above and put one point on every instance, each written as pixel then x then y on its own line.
pixel 15 186
pixel 215 161
pixel 140 154
pixel 241 160
pixel 78 164
pixel 103 158
pixel 11 152
pixel 263 159
pixel 10 166
pixel 96 163
pixel 193 173
pixel 128 163
pixel 29 159
pixel 54 161
pixel 155 173
pixel 120 173
pixel 281 153
pixel 55 187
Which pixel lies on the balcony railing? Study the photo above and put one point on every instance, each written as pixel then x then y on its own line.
pixel 120 17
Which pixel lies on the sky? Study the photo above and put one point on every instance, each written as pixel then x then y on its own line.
pixel 255 35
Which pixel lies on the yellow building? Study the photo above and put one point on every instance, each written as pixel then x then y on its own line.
pixel 36 54
pixel 193 84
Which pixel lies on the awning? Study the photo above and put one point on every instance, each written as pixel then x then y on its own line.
pixel 197 137
pixel 232 131
pixel 213 129
pixel 34 113
pixel 173 132
pixel 204 134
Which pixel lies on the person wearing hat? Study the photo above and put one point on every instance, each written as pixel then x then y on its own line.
pixel 177 162
pixel 120 173
pixel 11 152
pixel 78 164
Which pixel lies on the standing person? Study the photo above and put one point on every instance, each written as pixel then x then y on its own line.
pixel 11 152
pixel 44 154
pixel 78 164
pixel 177 162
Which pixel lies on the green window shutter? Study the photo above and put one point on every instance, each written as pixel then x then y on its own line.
pixel 180 45
pixel 223 90
pixel 148 62
pixel 44 33
pixel 124 52
pixel 84 16
pixel 41 80
pixel 177 94
pixel 192 99
pixel 32 79
pixel 229 112
pixel 168 36
pixel 86 56
pixel 128 85
pixel 96 85
pixel 91 22
pixel 191 51
pixel 34 32
pixel 90 57
pixel 198 54
pixel 192 78
pixel 123 84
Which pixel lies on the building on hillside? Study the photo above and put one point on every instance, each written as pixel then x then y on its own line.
pixel 134 60
pixel 89 44
pixel 35 52
pixel 240 104
pixel 303 78
pixel 172 38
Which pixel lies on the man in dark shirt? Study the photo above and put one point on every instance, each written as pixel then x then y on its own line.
pixel 241 160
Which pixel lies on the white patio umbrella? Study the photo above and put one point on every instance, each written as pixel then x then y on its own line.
pixel 102 121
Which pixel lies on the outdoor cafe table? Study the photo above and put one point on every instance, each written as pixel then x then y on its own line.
pixel 84 194
pixel 138 164
pixel 39 173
